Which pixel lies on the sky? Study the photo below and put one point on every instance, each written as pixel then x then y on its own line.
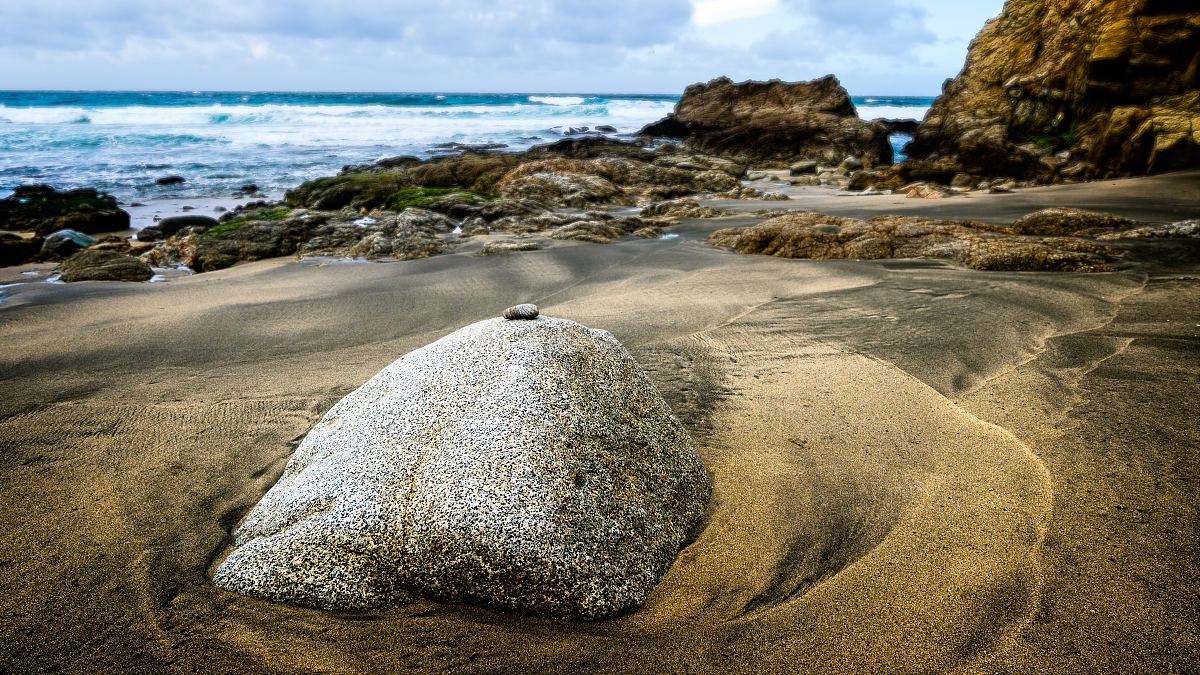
pixel 876 47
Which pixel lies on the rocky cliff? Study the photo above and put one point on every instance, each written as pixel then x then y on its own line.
pixel 1056 89
pixel 775 123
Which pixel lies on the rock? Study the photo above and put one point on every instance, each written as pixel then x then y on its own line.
pixel 528 466
pixel 804 167
pixel 456 204
pixel 525 312
pixel 1066 221
pixel 17 250
pixel 1111 83
pixel 473 171
pixel 681 208
pixel 851 164
pixel 714 181
pixel 250 234
pixel 358 191
pixel 606 129
pixel 878 180
pixel 927 171
pixel 66 242
pixel 574 190
pixel 774 123
pixel 509 246
pixel 897 126
pixel 248 188
pixel 150 233
pixel 504 208
pixel 972 244
pixel 113 243
pixel 592 231
pixel 414 217
pixel 172 224
pixel 582 183
pixel 95 265
pixel 775 197
pixel 469 147
pixel 591 147
pixel 42 209
pixel 406 244
pixel 1189 229
pixel 923 190
pixel 170 180
pixel 963 181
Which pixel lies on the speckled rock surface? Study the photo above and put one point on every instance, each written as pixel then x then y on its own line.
pixel 524 465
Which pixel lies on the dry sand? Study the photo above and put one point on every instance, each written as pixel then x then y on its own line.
pixel 916 467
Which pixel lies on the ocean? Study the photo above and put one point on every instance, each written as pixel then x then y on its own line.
pixel 121 142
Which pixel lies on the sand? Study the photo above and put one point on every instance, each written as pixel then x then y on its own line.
pixel 1166 198
pixel 916 467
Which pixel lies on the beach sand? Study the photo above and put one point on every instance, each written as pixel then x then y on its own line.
pixel 916 467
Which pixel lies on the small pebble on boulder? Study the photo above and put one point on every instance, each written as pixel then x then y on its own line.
pixel 525 312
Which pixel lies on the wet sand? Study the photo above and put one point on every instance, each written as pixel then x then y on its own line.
pixel 916 467
pixel 1165 198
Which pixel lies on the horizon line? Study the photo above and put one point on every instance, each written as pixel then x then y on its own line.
pixel 369 91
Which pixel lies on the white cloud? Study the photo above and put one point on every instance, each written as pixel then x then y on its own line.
pixel 652 46
pixel 714 12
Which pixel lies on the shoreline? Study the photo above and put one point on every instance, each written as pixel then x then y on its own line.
pixel 1164 198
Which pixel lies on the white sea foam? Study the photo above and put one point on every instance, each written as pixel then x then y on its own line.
pixel 332 125
pixel 277 145
pixel 558 100
pixel 893 112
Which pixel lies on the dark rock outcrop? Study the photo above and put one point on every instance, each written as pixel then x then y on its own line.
pixel 42 209
pixel 172 224
pixel 972 244
pixel 1065 221
pixel 15 249
pixel 94 265
pixel 774 123
pixel 356 190
pixel 1056 89
pixel 900 126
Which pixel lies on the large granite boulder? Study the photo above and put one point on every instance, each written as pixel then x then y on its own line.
pixel 1073 89
pixel 42 209
pixel 99 265
pixel 524 465
pixel 775 123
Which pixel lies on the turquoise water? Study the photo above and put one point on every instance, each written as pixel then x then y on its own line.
pixel 121 141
